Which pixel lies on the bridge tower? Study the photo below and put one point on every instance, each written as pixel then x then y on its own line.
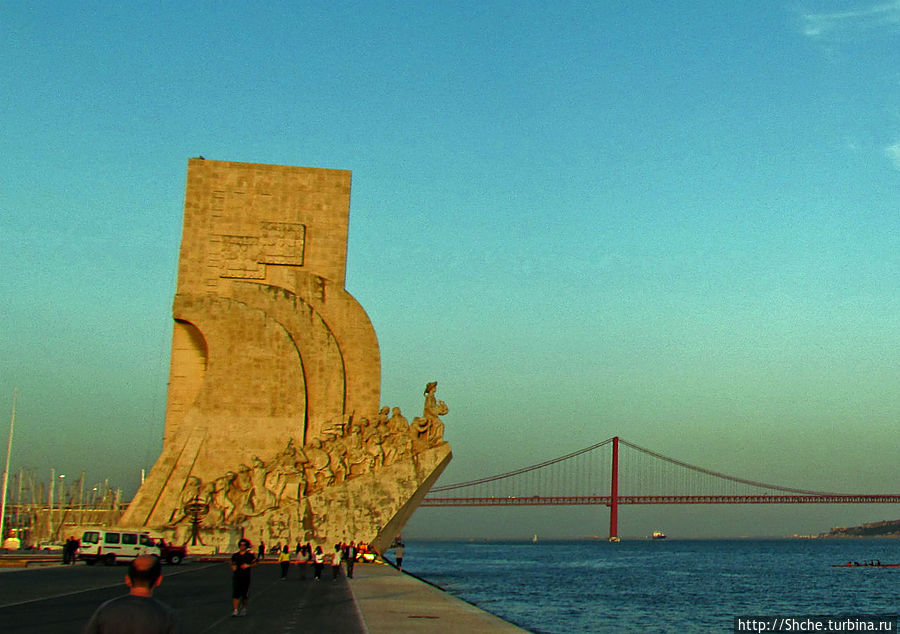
pixel 614 493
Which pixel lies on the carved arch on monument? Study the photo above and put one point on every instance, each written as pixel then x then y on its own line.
pixel 246 347
pixel 354 335
pixel 190 353
pixel 325 379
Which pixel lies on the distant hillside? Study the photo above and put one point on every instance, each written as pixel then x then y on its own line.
pixel 887 528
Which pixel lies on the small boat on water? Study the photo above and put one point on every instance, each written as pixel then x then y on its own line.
pixel 856 564
pixel 657 535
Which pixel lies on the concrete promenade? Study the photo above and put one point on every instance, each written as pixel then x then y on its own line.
pixel 391 601
pixel 379 599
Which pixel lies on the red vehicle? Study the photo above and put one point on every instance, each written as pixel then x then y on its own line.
pixel 170 553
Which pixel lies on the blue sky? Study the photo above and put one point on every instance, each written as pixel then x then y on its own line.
pixel 677 224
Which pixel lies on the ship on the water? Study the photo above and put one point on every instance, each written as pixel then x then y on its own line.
pixel 657 535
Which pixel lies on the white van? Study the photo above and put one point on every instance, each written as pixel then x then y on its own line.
pixel 110 546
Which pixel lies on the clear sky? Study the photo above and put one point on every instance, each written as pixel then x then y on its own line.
pixel 674 222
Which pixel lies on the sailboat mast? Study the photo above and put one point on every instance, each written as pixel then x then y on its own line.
pixel 12 422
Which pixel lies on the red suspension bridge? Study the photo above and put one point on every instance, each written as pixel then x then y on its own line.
pixel 584 477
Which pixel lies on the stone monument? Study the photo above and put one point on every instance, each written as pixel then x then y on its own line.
pixel 274 429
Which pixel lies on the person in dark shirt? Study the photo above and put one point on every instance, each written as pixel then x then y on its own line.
pixel 352 552
pixel 137 612
pixel 241 563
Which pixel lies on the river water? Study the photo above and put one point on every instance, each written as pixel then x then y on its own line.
pixel 662 585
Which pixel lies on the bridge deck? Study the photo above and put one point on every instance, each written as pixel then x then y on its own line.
pixel 606 500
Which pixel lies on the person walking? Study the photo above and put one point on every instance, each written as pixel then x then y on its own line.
pixel 398 555
pixel 241 563
pixel 136 612
pixel 351 558
pixel 336 562
pixel 76 544
pixel 318 562
pixel 65 551
pixel 284 560
pixel 69 552
pixel 302 560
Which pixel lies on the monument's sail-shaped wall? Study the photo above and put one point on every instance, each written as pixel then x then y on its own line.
pixel 273 425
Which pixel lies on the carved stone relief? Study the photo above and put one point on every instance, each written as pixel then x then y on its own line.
pixel 328 490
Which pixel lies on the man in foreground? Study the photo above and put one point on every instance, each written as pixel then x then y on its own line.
pixel 136 612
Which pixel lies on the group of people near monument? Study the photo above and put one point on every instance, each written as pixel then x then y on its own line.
pixel 304 555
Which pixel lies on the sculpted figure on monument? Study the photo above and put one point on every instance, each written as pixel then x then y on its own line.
pixel 290 457
pixel 429 430
pixel 386 445
pixel 219 505
pixel 287 469
pixel 397 423
pixel 337 450
pixel 367 429
pixel 398 447
pixel 239 493
pixel 372 439
pixel 357 457
pixel 318 470
pixel 337 429
pixel 262 498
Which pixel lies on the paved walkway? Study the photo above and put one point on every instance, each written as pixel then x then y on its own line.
pixel 391 601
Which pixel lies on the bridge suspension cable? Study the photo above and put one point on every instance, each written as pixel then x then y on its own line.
pixel 753 483
pixel 649 452
pixel 509 474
